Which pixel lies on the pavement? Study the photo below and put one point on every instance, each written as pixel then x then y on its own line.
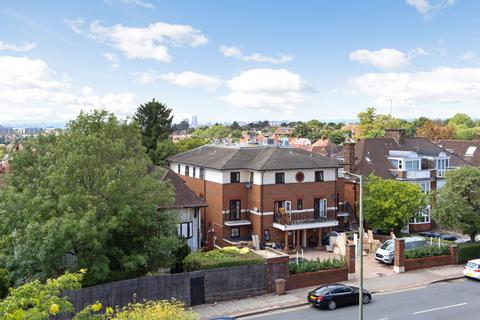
pixel 456 299
pixel 295 298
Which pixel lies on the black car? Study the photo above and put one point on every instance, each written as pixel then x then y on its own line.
pixel 335 295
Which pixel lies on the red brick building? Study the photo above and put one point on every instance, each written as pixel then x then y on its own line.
pixel 282 194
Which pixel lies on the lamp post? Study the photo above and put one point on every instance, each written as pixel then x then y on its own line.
pixel 360 233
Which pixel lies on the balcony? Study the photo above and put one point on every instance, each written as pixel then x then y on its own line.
pixel 303 219
pixel 414 174
pixel 235 218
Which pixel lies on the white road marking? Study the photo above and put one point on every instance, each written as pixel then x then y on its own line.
pixel 384 319
pixel 440 308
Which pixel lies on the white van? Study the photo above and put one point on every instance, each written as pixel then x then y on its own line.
pixel 386 252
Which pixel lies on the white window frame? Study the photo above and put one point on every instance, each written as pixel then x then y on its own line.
pixel 424 215
pixel 185 229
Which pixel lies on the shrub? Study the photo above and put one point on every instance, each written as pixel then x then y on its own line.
pixel 220 258
pixel 5 283
pixel 179 254
pixel 316 265
pixel 427 251
pixel 468 251
pixel 149 310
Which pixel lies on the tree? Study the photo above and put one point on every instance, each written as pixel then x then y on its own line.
pixel 373 126
pixel 390 204
pixel 461 120
pixel 85 199
pixel 458 202
pixel 214 132
pixel 182 126
pixel 189 144
pixel 155 122
pixel 165 149
pixel 338 136
pixel 235 126
pixel 434 130
pixel 37 300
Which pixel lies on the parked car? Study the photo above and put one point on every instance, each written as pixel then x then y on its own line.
pixel 430 234
pixel 472 269
pixel 386 252
pixel 332 296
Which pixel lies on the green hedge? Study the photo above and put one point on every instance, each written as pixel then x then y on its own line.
pixel 468 251
pixel 316 265
pixel 428 251
pixel 219 258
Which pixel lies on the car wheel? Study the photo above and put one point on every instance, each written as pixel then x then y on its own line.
pixel 332 305
pixel 366 299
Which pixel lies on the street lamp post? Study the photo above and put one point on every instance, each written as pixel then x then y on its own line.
pixel 360 233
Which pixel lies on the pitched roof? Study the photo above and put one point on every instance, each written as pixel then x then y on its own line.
pixel 184 196
pixel 260 158
pixel 372 154
pixel 460 148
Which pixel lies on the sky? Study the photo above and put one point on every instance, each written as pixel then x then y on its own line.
pixel 243 60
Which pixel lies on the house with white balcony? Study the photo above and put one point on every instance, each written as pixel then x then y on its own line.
pixel 395 156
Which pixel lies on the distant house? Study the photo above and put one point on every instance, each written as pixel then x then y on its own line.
pixel 283 131
pixel 322 146
pixel 412 160
pixel 187 207
pixel 468 150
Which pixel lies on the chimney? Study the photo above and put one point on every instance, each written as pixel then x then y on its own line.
pixel 348 155
pixel 396 134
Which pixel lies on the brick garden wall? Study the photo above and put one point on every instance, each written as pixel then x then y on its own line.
pixel 430 262
pixel 318 278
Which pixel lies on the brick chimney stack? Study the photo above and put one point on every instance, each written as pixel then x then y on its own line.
pixel 396 134
pixel 349 155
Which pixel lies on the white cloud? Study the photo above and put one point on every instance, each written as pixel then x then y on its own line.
pixel 31 91
pixel 386 59
pixel 141 3
pixel 75 24
pixel 236 52
pixel 187 79
pixel 112 58
pixel 442 85
pixel 267 89
pixel 151 42
pixel 428 7
pixel 467 56
pixel 26 46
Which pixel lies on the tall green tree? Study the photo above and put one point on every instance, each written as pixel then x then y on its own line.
pixel 458 202
pixel 373 125
pixel 390 204
pixel 84 199
pixel 155 120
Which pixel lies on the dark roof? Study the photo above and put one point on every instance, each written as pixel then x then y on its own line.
pixel 460 147
pixel 253 157
pixel 184 196
pixel 377 151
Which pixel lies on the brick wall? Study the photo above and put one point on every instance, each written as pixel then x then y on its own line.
pixel 318 278
pixel 277 268
pixel 430 262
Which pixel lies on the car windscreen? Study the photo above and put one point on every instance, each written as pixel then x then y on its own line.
pixel 388 245
pixel 472 265
pixel 322 290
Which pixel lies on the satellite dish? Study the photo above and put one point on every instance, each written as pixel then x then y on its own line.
pixel 248 185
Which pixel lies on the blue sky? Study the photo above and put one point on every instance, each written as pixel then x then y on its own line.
pixel 239 60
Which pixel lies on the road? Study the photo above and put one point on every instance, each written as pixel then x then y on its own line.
pixel 459 299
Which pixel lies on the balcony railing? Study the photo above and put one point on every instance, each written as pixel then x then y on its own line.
pixel 236 218
pixel 415 174
pixel 302 217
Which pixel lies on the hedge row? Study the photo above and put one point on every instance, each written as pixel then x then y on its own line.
pixel 220 258
pixel 468 251
pixel 316 265
pixel 427 251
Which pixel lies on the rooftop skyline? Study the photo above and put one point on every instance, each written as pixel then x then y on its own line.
pixel 239 60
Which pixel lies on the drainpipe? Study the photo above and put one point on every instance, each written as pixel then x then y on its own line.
pixel 261 210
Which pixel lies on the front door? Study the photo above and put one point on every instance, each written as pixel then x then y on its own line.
pixel 197 291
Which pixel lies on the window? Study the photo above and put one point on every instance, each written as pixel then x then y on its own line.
pixel 187 170
pixel 318 176
pixel 202 173
pixel 234 177
pixel 299 204
pixel 252 175
pixel 194 171
pixel 178 168
pixel 471 151
pixel 185 230
pixel 279 177
pixel 412 165
pixel 422 217
pixel 394 163
pixel 235 232
pixel 425 187
pixel 320 208
pixel 235 209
